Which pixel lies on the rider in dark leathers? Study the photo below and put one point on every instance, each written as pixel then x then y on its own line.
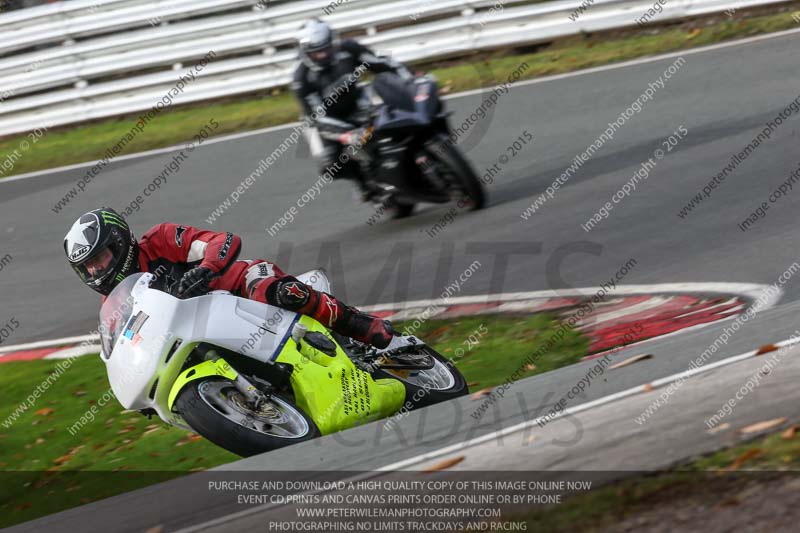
pixel 325 83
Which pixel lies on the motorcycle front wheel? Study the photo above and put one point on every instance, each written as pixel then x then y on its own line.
pixel 215 409
pixel 465 178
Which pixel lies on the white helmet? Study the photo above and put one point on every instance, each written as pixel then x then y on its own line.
pixel 318 44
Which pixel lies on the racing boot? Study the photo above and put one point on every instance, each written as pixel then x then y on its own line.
pixel 365 328
pixel 295 295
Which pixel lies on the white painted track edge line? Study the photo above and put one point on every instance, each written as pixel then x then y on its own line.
pixel 497 434
pixel 577 409
pixel 48 344
pixel 747 290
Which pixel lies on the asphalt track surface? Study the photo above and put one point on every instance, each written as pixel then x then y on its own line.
pixel 723 97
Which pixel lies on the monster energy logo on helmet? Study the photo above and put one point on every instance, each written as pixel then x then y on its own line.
pixel 111 217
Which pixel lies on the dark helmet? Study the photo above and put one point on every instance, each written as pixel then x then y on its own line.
pixel 318 45
pixel 102 249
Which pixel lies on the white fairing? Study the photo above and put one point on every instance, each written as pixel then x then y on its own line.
pixel 142 326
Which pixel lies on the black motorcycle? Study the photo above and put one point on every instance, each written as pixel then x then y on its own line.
pixel 404 148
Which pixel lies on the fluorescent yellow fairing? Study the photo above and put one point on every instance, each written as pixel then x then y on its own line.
pixel 334 392
pixel 204 370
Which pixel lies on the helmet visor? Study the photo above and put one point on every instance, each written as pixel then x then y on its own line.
pixel 321 56
pixel 96 269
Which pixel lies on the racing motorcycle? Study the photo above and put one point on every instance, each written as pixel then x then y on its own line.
pixel 404 148
pixel 251 377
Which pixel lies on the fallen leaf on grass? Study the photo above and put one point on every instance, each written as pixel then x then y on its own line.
pixel 694 33
pixel 730 502
pixel 45 411
pixel 79 393
pixel 746 456
pixel 481 393
pixel 58 461
pixel 438 332
pixel 473 384
pixel 761 426
pixel 189 438
pixel 530 368
pixel 790 433
pixel 632 360
pixel 40 440
pixel 444 465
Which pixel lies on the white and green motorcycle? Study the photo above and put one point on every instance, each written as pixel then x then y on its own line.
pixel 251 377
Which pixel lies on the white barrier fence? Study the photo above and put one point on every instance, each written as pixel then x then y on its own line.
pixel 104 58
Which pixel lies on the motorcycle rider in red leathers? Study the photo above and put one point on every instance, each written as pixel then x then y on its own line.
pixel 102 249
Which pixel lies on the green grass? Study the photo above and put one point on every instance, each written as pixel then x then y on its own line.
pixel 47 469
pixel 38 446
pixel 489 359
pixel 702 480
pixel 89 142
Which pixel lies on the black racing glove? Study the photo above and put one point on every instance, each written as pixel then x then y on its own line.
pixel 195 282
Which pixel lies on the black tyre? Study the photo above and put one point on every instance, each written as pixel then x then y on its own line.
pixel 466 178
pixel 398 210
pixel 426 387
pixel 215 409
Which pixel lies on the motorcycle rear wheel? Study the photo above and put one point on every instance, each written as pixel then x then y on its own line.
pixel 397 210
pixel 426 387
